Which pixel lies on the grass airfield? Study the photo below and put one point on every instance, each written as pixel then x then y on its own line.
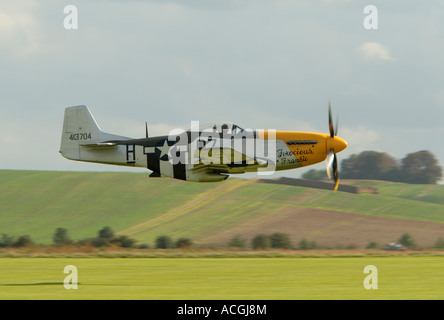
pixel 232 278
pixel 36 203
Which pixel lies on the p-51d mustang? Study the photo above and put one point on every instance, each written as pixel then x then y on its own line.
pixel 203 153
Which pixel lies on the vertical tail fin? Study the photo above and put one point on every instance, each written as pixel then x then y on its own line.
pixel 80 129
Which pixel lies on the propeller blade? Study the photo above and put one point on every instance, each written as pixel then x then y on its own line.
pixel 330 158
pixel 335 167
pixel 146 129
pixel 337 125
pixel 330 121
pixel 335 172
pixel 336 184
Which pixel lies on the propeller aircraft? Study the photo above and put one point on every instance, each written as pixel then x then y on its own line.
pixel 203 153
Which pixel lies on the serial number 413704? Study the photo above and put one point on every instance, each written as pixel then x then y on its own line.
pixel 80 136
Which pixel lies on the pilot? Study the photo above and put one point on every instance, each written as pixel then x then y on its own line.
pixel 225 128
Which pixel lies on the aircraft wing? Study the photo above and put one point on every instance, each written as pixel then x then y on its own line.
pixel 231 168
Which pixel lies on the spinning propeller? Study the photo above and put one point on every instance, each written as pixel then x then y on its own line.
pixel 334 145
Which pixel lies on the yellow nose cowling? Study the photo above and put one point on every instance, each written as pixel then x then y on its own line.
pixel 336 143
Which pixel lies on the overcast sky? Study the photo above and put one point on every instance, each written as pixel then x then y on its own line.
pixel 260 64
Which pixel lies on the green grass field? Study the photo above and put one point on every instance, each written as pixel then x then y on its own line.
pixel 399 277
pixel 37 202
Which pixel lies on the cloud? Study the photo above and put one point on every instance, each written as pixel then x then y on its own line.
pixel 361 139
pixel 373 51
pixel 335 1
pixel 20 31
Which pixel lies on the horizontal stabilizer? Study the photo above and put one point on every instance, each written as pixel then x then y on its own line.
pixel 100 145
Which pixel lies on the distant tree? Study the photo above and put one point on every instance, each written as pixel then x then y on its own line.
pixel 261 242
pixel 83 242
pixel 238 242
pixel 23 241
pixel 106 233
pixel 60 237
pixel 313 245
pixel 315 175
pixel 7 241
pixel 99 242
pixel 407 241
pixel 421 167
pixel 304 244
pixel 439 243
pixel 372 245
pixel 123 241
pixel 370 165
pixel 280 240
pixel 183 243
pixel 164 242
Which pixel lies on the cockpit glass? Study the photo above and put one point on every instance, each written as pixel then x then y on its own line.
pixel 221 127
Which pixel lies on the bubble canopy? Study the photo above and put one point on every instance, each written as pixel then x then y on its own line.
pixel 220 126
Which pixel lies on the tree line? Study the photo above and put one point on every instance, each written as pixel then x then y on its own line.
pixel 277 240
pixel 417 168
pixel 280 240
pixel 105 237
